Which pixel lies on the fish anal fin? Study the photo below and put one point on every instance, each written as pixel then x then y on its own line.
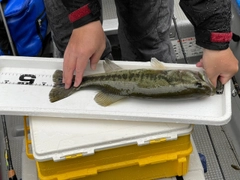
pixel 106 99
pixel 110 66
pixel 155 63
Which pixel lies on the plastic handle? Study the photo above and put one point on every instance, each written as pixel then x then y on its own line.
pixel 28 142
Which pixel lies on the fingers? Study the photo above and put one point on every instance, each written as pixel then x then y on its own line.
pixel 93 62
pixel 86 42
pixel 77 65
pixel 69 65
pixel 74 64
pixel 220 64
pixel 211 77
pixel 95 58
pixel 213 80
pixel 81 64
pixel 224 79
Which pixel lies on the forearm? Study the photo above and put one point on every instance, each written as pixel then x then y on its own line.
pixel 82 12
pixel 211 21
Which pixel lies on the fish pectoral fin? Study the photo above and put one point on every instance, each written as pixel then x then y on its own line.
pixel 155 63
pixel 106 99
pixel 110 66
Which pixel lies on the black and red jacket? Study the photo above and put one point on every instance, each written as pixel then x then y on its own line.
pixel 211 19
pixel 82 12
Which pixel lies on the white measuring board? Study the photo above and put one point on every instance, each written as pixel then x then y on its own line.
pixel 26 96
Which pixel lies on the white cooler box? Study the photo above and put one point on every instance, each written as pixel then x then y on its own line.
pixel 65 148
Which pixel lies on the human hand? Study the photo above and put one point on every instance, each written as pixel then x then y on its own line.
pixel 86 43
pixel 220 64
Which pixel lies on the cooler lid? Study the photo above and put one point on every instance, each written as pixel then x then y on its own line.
pixel 56 138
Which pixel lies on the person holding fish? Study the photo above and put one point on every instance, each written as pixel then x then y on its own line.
pixel 143 33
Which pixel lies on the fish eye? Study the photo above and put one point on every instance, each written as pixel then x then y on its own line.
pixel 199 85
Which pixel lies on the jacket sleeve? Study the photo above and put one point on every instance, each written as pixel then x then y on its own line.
pixel 82 12
pixel 211 20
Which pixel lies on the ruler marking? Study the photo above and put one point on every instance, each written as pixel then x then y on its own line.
pixel 26 79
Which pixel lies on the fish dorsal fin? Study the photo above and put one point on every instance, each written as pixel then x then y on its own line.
pixel 110 66
pixel 157 64
pixel 106 99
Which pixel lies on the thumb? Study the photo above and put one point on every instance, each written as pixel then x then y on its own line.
pixel 93 64
pixel 224 79
pixel 94 60
pixel 199 63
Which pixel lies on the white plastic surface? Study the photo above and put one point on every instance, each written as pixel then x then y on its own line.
pixel 34 100
pixel 195 167
pixel 55 138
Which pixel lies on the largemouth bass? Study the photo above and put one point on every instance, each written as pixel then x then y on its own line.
pixel 117 83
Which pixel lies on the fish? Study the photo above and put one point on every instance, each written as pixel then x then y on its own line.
pixel 117 83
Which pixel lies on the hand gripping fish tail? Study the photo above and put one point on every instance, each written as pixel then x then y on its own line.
pixel 59 92
pixel 157 81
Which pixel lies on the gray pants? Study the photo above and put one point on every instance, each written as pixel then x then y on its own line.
pixel 143 28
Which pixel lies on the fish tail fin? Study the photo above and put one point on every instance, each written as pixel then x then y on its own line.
pixel 57 77
pixel 59 92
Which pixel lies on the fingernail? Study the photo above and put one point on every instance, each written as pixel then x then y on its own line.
pixel 76 84
pixel 66 86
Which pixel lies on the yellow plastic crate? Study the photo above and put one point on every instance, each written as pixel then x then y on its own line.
pixel 160 158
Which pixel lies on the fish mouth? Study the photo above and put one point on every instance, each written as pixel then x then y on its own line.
pixel 220 87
